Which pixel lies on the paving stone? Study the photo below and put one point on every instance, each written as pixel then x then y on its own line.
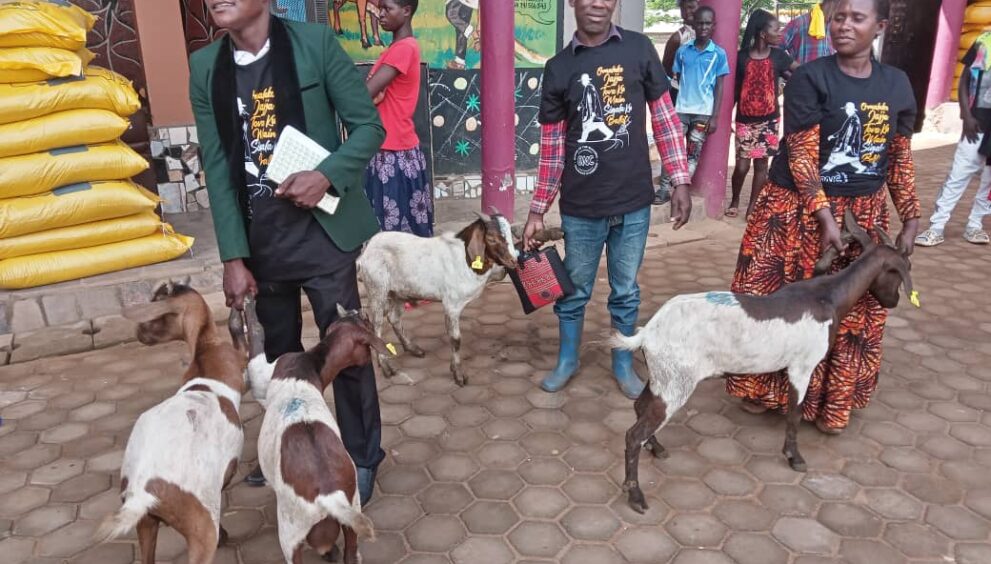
pixel 967 474
pixel 445 499
pixel 588 458
pixel 11 480
pixel 805 536
pixel 60 309
pixel 907 460
pixel 64 433
pixel 729 482
pixel 52 341
pixel 744 515
pixel 393 513
pixel 435 533
pixel 724 451
pixel 111 330
pixel 589 488
pixel 980 502
pixel 590 523
pixel 504 429
pixel 857 551
pixel 692 556
pixel 426 559
pixel 112 553
pixel 686 494
pixel 490 517
pixel 26 316
pixel 893 504
pixel 932 490
pixel 540 502
pixel 789 500
pixel 544 471
pixel 100 302
pixel 973 553
pixel 496 484
pixel 414 452
pixel 453 467
pixel 482 549
pixel 424 426
pixel 16 550
pixel 830 486
pixel 850 520
pixel 916 541
pixel 870 474
pixel 68 540
pixel 501 454
pixel 81 488
pixel 464 439
pixel 696 529
pixel 957 523
pixel 22 500
pixel 752 548
pixel 646 545
pixel 591 554
pixel 403 480
pixel 544 443
pixel 44 520
pixel 954 412
pixel 546 419
pixel 538 539
pixel 57 472
pixel 772 470
pixel 946 448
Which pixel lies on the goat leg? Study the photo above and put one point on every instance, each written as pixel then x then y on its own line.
pixel 652 445
pixel 148 537
pixel 790 449
pixel 454 332
pixel 396 320
pixel 651 415
pixel 350 546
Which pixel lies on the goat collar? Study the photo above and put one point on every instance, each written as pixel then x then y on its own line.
pixel 217 387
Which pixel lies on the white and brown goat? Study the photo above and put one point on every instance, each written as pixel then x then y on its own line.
pixel 185 450
pixel 452 269
pixel 791 329
pixel 300 448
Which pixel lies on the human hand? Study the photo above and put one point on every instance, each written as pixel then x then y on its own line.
pixel 681 205
pixel 534 225
pixel 238 283
pixel 829 232
pixel 305 189
pixel 906 239
pixel 378 98
pixel 971 128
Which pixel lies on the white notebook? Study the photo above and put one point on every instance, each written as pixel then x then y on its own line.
pixel 295 152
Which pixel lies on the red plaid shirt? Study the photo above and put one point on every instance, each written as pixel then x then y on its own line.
pixel 668 135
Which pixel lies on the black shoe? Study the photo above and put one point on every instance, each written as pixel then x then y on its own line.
pixel 366 483
pixel 255 479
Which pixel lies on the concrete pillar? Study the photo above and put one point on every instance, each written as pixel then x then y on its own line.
pixel 163 50
pixel 630 14
pixel 498 108
pixel 710 176
pixel 945 53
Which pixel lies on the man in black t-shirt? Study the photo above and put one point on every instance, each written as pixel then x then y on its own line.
pixel 972 153
pixel 593 146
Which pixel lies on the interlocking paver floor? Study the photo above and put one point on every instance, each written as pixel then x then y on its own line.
pixel 501 472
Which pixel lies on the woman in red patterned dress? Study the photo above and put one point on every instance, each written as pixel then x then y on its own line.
pixel 848 125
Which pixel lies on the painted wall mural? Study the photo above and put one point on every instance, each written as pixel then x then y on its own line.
pixel 448 31
pixel 455 119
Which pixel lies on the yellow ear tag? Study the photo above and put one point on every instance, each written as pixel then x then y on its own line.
pixel 914 298
pixel 477 264
pixel 391 348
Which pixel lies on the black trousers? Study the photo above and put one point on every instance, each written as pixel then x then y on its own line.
pixel 355 395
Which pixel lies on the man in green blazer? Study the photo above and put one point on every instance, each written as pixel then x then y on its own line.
pixel 265 74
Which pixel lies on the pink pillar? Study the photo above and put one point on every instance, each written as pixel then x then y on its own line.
pixel 945 55
pixel 498 107
pixel 710 176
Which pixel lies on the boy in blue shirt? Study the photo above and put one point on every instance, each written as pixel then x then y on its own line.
pixel 700 67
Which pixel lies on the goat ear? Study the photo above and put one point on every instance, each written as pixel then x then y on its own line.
pixel 475 250
pixel 143 313
pixel 187 281
pixel 377 344
pixel 884 237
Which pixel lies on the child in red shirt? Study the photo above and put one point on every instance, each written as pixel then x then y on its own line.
pixel 396 178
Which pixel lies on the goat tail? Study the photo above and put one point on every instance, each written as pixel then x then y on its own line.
pixel 347 514
pixel 137 505
pixel 619 341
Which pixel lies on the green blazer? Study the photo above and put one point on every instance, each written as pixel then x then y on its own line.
pixel 316 82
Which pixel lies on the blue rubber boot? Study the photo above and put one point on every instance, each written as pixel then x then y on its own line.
pixel 567 356
pixel 622 367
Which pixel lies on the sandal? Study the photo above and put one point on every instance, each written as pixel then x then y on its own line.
pixel 929 238
pixel 977 236
pixel 732 212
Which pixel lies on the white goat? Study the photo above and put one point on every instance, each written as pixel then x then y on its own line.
pixel 451 269
pixel 185 450
pixel 791 329
pixel 300 448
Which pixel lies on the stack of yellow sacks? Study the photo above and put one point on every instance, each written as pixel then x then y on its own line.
pixel 67 210
pixel 976 20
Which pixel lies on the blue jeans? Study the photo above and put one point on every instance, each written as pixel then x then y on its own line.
pixel 625 237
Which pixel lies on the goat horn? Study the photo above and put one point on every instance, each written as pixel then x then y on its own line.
pixel 825 261
pixel 855 231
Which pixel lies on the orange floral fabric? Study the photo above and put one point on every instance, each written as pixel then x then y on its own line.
pixel 781 245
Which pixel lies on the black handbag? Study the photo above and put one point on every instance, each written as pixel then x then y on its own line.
pixel 540 279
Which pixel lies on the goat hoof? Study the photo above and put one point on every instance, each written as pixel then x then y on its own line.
pixel 636 501
pixel 797 464
pixel 416 352
pixel 658 451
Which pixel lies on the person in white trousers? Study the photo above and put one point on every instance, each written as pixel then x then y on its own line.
pixel 972 153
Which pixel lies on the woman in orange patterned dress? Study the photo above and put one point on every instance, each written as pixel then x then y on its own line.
pixel 848 126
